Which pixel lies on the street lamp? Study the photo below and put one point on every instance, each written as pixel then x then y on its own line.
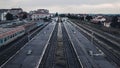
pixel 92 37
pixel 28 36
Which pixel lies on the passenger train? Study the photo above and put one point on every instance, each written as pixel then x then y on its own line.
pixel 7 35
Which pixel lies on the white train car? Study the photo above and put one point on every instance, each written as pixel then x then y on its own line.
pixel 32 25
pixel 29 26
pixel 7 35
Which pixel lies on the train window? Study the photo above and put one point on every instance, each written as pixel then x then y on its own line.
pixel 5 39
pixel 1 41
pixel 18 32
pixel 21 31
pixel 15 34
pixel 10 36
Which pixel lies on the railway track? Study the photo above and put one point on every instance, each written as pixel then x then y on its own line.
pixel 60 52
pixel 71 56
pixel 107 34
pixel 111 56
pixel 102 44
pixel 48 58
pixel 7 51
pixel 111 41
pixel 85 62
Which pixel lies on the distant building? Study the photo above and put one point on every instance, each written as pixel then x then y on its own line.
pixel 43 11
pixel 99 19
pixel 2 13
pixel 107 24
pixel 22 15
pixel 32 12
pixel 102 19
pixel 15 11
pixel 118 19
pixel 108 21
pixel 3 16
pixel 39 14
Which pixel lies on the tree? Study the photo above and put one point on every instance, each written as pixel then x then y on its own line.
pixel 62 15
pixel 22 15
pixel 88 18
pixel 56 14
pixel 9 16
pixel 82 18
pixel 115 22
pixel 46 19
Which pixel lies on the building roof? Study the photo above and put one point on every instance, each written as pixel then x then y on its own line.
pixel 40 11
pixel 3 10
pixel 8 31
pixel 16 9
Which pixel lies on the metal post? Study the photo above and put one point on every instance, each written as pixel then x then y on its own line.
pixel 28 36
pixel 92 38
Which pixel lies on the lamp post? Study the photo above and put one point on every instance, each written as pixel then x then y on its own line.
pixel 28 36
pixel 92 37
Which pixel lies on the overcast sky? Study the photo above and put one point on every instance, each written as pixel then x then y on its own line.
pixel 65 6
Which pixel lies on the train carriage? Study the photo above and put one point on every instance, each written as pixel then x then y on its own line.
pixel 9 34
pixel 29 26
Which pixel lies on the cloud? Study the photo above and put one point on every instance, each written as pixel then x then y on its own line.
pixel 9 3
pixel 84 8
pixel 65 2
pixel 66 6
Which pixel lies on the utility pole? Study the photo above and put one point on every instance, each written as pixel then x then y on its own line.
pixel 92 37
pixel 28 36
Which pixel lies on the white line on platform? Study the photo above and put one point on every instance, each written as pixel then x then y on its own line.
pixel 37 66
